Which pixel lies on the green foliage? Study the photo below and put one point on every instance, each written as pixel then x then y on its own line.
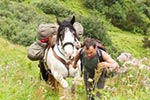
pixel 52 7
pixel 128 16
pixel 128 42
pixel 95 28
pixel 92 4
pixel 18 22
pixel 20 79
pixel 146 42
pixel 18 0
pixel 132 84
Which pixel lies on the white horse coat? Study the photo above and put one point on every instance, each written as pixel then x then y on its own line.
pixel 64 49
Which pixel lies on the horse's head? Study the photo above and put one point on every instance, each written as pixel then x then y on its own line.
pixel 66 36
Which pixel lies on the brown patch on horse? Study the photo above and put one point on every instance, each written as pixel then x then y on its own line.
pixel 53 83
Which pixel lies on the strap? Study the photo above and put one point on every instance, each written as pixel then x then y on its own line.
pixel 63 61
pixel 99 52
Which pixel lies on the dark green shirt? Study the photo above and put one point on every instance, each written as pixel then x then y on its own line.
pixel 90 64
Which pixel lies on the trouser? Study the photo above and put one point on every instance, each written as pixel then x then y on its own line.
pixel 91 86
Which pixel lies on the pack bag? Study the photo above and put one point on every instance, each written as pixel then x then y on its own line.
pixel 100 45
pixel 46 35
pixel 36 50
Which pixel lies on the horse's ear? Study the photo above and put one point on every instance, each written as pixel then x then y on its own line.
pixel 72 20
pixel 58 21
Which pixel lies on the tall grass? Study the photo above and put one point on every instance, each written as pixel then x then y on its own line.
pixel 128 42
pixel 19 79
pixel 19 76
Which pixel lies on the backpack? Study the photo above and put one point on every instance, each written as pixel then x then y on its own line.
pixel 45 35
pixel 36 51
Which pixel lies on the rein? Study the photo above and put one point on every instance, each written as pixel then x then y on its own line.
pixel 62 60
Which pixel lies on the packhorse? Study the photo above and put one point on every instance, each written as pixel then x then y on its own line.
pixel 58 59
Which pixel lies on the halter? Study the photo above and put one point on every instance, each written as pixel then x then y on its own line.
pixel 68 43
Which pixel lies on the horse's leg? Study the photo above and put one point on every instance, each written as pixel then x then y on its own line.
pixel 60 79
pixel 64 94
pixel 64 88
pixel 47 76
pixel 53 82
pixel 76 80
pixel 52 63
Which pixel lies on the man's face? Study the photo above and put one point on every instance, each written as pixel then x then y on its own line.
pixel 90 52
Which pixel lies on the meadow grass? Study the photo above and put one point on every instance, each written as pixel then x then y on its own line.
pixel 129 42
pixel 20 77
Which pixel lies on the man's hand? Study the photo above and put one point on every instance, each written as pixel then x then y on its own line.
pixel 104 64
pixel 111 67
pixel 74 65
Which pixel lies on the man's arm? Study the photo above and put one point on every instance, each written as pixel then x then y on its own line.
pixel 76 58
pixel 109 62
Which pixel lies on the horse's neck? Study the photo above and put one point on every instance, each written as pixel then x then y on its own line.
pixel 59 52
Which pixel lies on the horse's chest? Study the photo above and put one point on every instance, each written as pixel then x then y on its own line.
pixel 61 68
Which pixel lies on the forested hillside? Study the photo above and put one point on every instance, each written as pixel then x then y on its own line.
pixel 20 18
pixel 122 25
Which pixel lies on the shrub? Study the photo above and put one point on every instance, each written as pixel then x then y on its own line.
pixel 128 16
pixel 146 42
pixel 95 28
pixel 52 7
pixel 18 22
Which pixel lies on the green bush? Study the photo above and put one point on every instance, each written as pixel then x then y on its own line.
pixel 19 22
pixel 128 16
pixel 52 7
pixel 24 38
pixel 95 28
pixel 146 42
pixel 18 0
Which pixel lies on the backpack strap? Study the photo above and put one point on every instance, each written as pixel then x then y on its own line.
pixel 99 52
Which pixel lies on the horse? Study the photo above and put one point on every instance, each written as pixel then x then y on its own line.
pixel 59 58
